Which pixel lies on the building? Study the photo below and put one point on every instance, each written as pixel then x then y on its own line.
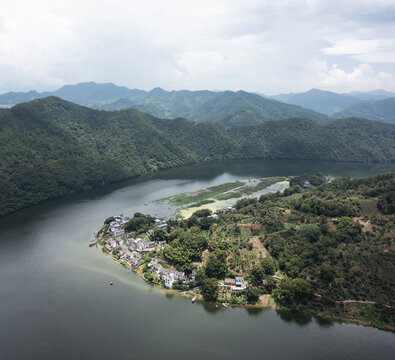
pixel 230 282
pixel 169 280
pixel 239 281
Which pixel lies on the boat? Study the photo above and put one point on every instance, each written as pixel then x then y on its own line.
pixel 225 305
pixel 194 299
pixel 92 243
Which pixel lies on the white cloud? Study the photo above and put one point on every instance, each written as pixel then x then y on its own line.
pixel 361 78
pixel 256 45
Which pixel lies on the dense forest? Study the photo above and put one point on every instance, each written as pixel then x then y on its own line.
pixel 326 249
pixel 50 147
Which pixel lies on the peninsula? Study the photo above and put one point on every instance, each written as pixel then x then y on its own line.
pixel 321 246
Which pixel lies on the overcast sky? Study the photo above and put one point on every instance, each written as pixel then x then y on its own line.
pixel 270 46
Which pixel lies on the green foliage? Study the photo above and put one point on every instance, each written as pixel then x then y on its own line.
pixel 216 265
pixel 178 285
pixel 184 248
pixel 328 273
pixel 252 294
pixel 210 289
pixel 50 148
pixel 139 223
pixel 292 292
pixel 202 213
pixel 109 220
pixel 260 270
pixel 386 203
pixel 314 180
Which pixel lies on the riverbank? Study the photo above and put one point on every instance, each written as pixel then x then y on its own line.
pixel 274 247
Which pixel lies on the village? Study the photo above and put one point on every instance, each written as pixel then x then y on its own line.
pixel 138 253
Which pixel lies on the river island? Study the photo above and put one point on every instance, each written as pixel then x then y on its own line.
pixel 307 243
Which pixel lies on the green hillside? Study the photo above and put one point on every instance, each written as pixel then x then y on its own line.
pixel 383 110
pixel 50 147
pixel 225 108
pixel 326 249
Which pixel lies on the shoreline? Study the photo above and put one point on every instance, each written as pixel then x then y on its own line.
pixel 280 308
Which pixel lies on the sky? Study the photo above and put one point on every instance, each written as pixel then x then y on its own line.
pixel 271 47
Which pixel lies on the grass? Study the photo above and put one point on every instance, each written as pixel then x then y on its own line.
pixel 200 203
pixel 228 195
pixel 203 194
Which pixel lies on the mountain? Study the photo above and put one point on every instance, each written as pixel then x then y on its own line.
pixel 383 110
pixel 50 147
pixel 371 96
pixel 227 107
pixel 325 102
pixel 88 94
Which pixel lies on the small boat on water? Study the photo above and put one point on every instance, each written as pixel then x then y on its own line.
pixel 225 305
pixel 92 243
pixel 194 299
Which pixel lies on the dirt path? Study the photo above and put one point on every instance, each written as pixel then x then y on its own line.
pixel 258 246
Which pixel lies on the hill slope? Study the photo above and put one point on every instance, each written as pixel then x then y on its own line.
pixel 226 108
pixel 50 147
pixel 325 102
pixel 383 110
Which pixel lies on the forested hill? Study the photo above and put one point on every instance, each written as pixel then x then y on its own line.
pixel 383 110
pixel 226 108
pixel 50 147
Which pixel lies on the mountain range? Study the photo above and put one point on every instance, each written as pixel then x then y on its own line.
pixel 329 103
pixel 51 147
pixel 226 107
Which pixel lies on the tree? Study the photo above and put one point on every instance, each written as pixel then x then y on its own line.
pixel 268 266
pixel 292 292
pixel 328 273
pixel 202 213
pixel 200 276
pixel 210 289
pixel 252 294
pixel 109 220
pixel 216 265
pixel 264 267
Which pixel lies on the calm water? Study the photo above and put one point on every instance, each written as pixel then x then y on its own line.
pixel 56 302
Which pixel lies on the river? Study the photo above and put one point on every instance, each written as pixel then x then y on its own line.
pixel 56 302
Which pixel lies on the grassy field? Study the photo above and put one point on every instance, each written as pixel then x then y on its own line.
pixel 202 194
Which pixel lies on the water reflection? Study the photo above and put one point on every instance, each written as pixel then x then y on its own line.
pixel 322 322
pixel 254 311
pixel 289 316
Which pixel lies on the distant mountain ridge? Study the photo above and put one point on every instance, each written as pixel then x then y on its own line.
pixel 226 107
pixel 328 102
pixel 50 147
pixel 382 110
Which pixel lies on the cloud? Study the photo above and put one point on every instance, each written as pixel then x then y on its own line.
pixel 370 50
pixel 361 78
pixel 256 45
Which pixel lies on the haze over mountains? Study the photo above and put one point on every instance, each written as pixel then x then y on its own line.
pixel 329 103
pixel 227 108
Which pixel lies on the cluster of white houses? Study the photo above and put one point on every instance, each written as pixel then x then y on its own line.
pixel 130 249
pixel 169 276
